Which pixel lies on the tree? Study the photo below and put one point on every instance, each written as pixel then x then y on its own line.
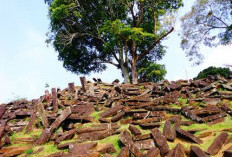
pixel 88 34
pixel 225 72
pixel 151 72
pixel 209 23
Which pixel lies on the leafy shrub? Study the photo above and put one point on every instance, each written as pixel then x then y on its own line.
pixel 225 72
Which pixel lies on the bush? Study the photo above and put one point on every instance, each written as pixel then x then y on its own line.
pixel 225 72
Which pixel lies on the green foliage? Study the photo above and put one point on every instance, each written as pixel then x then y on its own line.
pixel 209 23
pixel 151 72
pixel 88 34
pixel 29 151
pixel 225 72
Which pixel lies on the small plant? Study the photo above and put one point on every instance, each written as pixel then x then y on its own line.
pixel 29 151
pixel 46 85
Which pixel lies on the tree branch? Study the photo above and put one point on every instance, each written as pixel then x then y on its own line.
pixel 141 12
pixel 68 38
pixel 109 62
pixel 131 7
pixel 154 44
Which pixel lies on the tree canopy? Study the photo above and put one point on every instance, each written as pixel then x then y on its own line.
pixel 209 23
pixel 124 33
pixel 225 72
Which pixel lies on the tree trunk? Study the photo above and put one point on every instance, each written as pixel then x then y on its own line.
pixel 125 73
pixel 134 71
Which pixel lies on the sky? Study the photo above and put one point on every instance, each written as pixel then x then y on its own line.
pixel 27 63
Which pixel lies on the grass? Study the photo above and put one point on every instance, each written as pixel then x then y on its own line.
pixel 216 127
pixel 22 134
pixel 183 101
pixel 96 115
pixel 175 106
pixel 49 148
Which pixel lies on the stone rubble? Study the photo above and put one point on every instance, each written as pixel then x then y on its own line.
pixel 152 112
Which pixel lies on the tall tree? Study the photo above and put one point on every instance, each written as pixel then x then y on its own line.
pixel 88 34
pixel 209 23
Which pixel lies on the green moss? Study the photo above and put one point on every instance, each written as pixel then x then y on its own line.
pixel 96 115
pixel 183 101
pixel 49 149
pixel 175 106
pixel 124 126
pixel 141 87
pixel 68 141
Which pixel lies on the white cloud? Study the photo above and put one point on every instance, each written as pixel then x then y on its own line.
pixel 218 57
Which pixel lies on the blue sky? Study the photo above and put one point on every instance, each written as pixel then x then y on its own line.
pixel 27 64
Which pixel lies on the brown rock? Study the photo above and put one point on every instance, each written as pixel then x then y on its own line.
pixel 178 151
pixel 15 151
pixel 97 135
pixel 160 141
pixel 135 131
pixel 59 154
pixel 145 144
pixel 149 120
pixel 65 145
pixel 66 136
pixel 81 118
pixel 112 111
pixel 154 152
pixel 82 149
pixel 150 125
pixel 43 115
pixel 107 155
pixel 126 121
pixel 219 120
pixel 124 152
pixel 31 122
pixel 197 152
pixel 2 110
pixel 6 140
pixel 65 113
pixel 71 87
pixel 83 83
pixel 83 110
pixel 213 117
pixel 105 148
pixel 54 100
pixel 44 137
pixel 118 116
pixel 2 128
pixel 47 96
pixel 205 134
pixel 126 139
pixel 168 131
pixel 217 143
pixel 142 137
pixel 188 136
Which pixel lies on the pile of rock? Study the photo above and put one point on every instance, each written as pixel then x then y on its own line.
pixel 159 108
